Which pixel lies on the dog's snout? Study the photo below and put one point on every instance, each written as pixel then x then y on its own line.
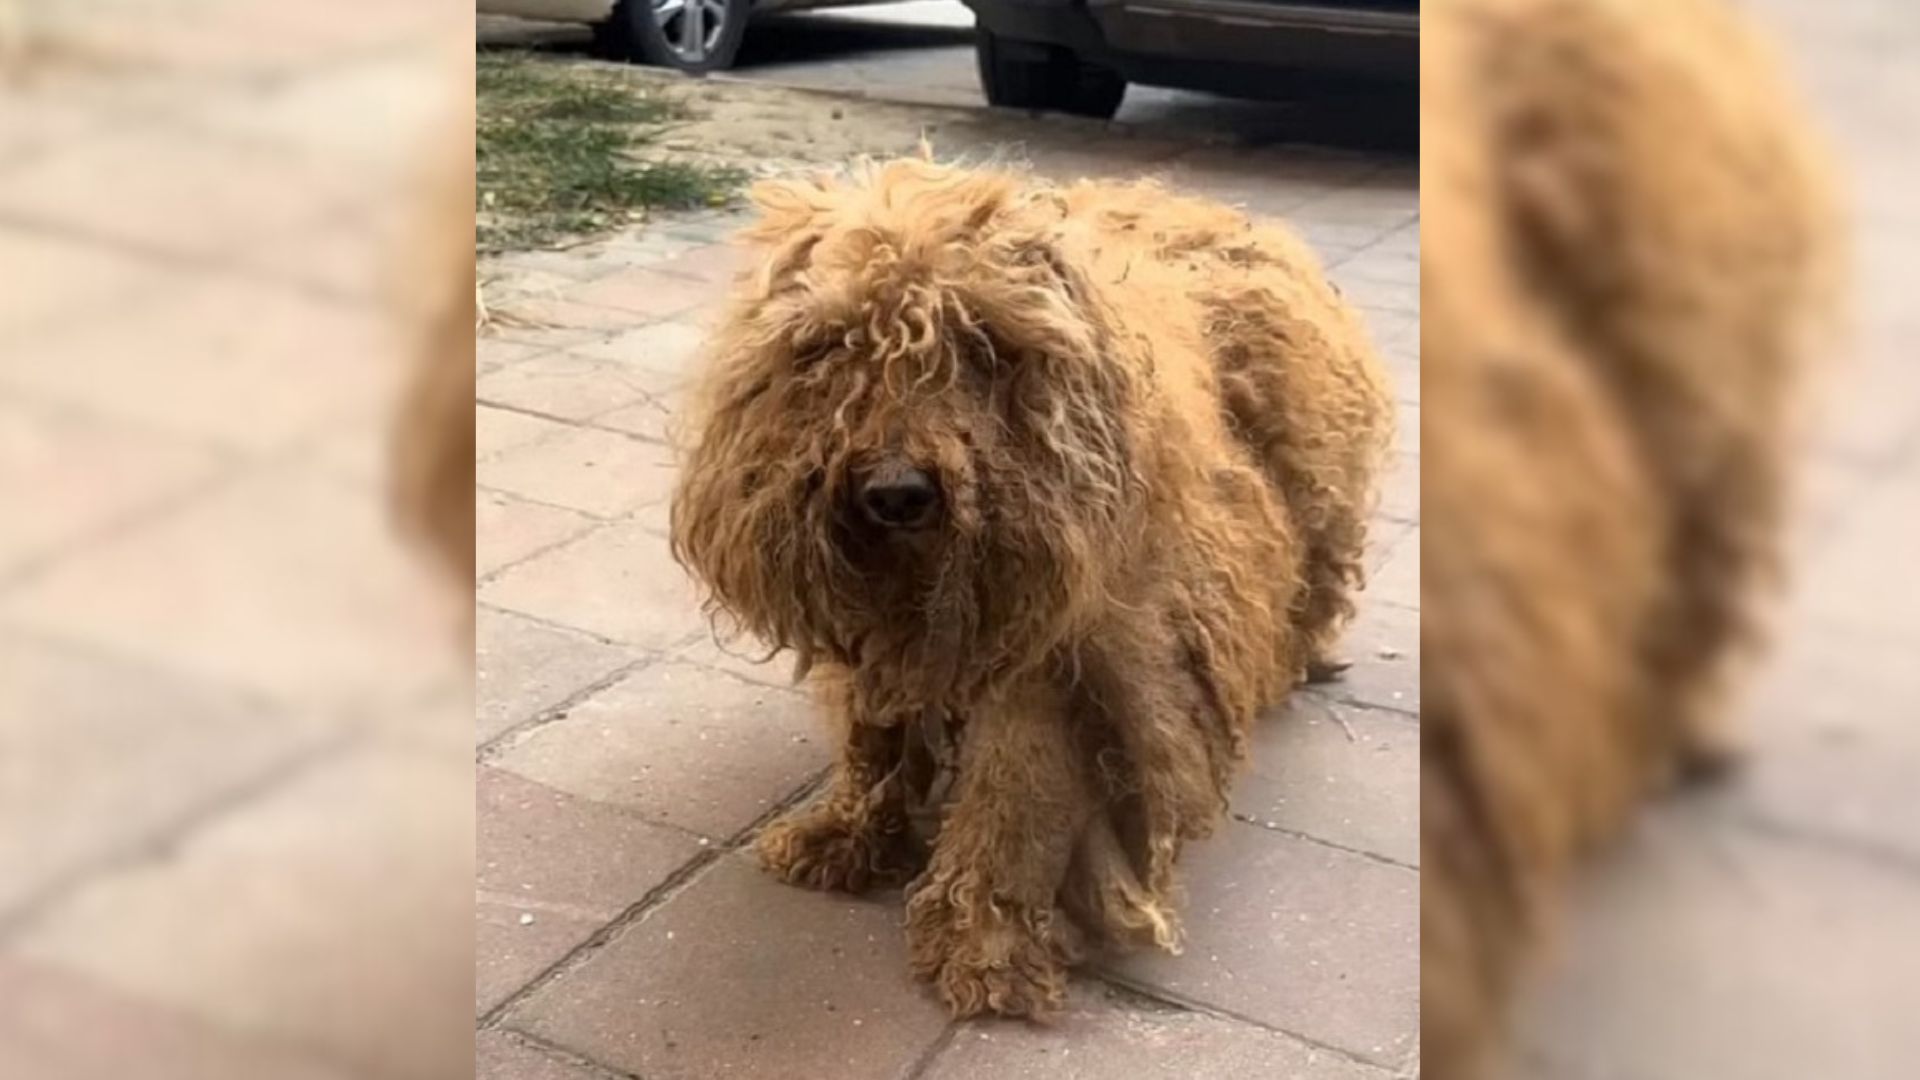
pixel 900 496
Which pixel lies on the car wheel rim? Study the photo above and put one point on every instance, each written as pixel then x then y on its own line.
pixel 690 28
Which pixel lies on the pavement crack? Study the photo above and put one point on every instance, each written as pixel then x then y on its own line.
pixel 933 1051
pixel 573 1059
pixel 552 714
pixel 1170 1000
pixel 1273 827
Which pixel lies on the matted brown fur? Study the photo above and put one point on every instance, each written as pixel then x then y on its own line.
pixel 1624 245
pixel 1155 429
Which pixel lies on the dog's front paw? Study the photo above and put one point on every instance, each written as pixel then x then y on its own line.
pixel 1000 958
pixel 1031 986
pixel 823 847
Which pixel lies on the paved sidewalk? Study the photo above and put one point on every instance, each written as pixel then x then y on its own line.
pixel 626 761
pixel 1771 931
pixel 235 828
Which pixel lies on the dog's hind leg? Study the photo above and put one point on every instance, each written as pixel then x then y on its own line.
pixel 857 835
pixel 1306 397
pixel 1333 570
pixel 981 921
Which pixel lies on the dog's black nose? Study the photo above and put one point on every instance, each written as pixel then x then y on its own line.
pixel 900 497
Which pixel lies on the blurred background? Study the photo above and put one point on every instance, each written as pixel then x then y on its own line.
pixel 236 823
pixel 1771 929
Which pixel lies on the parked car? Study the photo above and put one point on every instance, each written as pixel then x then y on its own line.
pixel 1077 56
pixel 692 35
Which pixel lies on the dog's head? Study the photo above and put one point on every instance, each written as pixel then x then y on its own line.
pixel 912 452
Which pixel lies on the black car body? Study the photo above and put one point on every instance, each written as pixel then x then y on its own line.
pixel 1077 55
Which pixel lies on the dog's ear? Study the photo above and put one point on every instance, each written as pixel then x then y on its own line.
pixel 791 223
pixel 788 203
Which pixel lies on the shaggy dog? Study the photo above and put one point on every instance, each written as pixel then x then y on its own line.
pixel 1624 251
pixel 1066 482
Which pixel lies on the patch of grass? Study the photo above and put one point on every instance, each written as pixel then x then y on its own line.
pixel 560 153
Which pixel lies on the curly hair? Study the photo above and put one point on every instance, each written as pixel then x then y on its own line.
pixel 1153 429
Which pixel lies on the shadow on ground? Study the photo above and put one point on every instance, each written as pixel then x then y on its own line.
pixel 793 39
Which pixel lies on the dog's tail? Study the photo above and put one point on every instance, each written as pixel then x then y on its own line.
pixel 1670 211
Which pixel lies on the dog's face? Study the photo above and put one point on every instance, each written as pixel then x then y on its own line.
pixel 910 455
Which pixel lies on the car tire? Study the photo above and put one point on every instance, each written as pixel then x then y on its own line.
pixel 1030 75
pixel 654 32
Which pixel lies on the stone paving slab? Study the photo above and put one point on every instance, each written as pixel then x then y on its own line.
pixel 144 189
pixel 569 386
pixel 82 475
pixel 618 583
pixel 1106 1033
pixel 741 976
pixel 1400 492
pixel 1843 587
pixel 1307 939
pixel 122 754
pixel 61 1026
pixel 237 774
pixel 552 870
pixel 508 529
pixel 1748 955
pixel 665 349
pixel 680 745
pixel 1385 672
pixel 1840 752
pixel 501 1055
pixel 353 930
pixel 172 361
pixel 743 658
pixel 509 954
pixel 1395 577
pixel 568 469
pixel 1345 776
pixel 34 123
pixel 501 430
pixel 523 667
pixel 296 588
pixel 50 279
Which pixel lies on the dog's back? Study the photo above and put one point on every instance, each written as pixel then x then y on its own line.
pixel 1624 246
pixel 1280 360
